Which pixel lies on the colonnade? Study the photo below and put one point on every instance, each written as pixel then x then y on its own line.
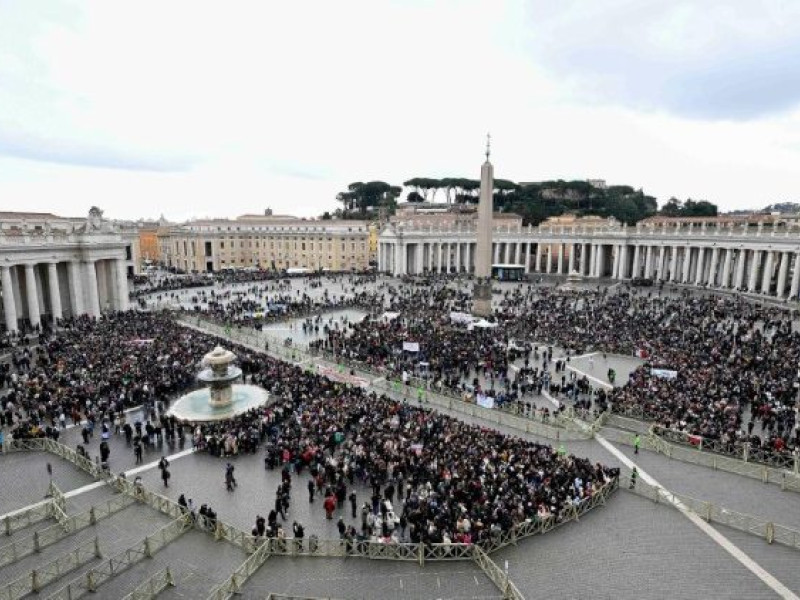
pixel 33 290
pixel 764 268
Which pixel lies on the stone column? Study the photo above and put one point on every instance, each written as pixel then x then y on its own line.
pixel 698 277
pixel 648 262
pixel 55 291
pixel 658 270
pixel 623 262
pixel 91 284
pixel 766 280
pixel 496 257
pixel 33 297
pixel 795 278
pixel 458 257
pixel 783 271
pixel 560 259
pixel 725 278
pixel 741 259
pixel 673 265
pixel 571 263
pixel 538 264
pixel 439 257
pixel 635 270
pixel 595 261
pixel 754 266
pixel 9 307
pixel 468 258
pixel 76 288
pixel 687 263
pixel 712 271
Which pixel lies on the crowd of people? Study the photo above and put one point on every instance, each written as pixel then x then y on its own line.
pixel 716 367
pixel 452 480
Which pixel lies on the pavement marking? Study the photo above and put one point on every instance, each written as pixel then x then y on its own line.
pixel 592 377
pixel 705 527
pixel 547 395
pixel 86 488
pixel 70 494
pixel 476 580
pixel 154 464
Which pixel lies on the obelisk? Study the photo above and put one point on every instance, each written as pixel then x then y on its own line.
pixel 482 292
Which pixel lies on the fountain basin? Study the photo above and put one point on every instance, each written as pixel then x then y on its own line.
pixel 198 405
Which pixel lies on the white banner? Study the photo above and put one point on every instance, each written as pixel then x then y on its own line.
pixel 411 346
pixel 664 373
pixel 459 317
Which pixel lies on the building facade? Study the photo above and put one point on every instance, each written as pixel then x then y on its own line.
pixel 53 267
pixel 758 254
pixel 268 242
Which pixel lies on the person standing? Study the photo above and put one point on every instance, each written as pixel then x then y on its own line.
pixel 634 477
pixel 353 504
pixel 137 451
pixel 637 441
pixel 311 487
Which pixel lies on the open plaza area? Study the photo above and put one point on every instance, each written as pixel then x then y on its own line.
pixel 599 440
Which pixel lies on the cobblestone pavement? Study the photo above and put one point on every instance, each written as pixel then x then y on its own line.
pixel 630 549
pixel 117 532
pixel 24 479
pixel 361 578
pixel 197 562
pixel 732 491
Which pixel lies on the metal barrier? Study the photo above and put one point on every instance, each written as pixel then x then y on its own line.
pixel 95 577
pixel 496 575
pixel 21 548
pixel 27 517
pixel 33 581
pixel 234 583
pixel 560 429
pixel 714 513
pixel 739 450
pixel 152 587
pixel 788 480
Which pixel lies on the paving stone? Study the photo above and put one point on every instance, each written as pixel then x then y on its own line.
pixel 24 479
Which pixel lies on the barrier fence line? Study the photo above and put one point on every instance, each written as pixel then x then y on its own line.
pixel 33 581
pixel 28 545
pixel 28 517
pixel 152 587
pixel 496 575
pixel 714 513
pixel 95 577
pixel 787 479
pixel 233 584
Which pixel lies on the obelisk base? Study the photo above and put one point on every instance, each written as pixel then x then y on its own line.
pixel 482 298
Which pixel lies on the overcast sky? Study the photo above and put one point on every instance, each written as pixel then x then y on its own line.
pixel 194 108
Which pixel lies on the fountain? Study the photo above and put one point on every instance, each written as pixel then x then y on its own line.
pixel 222 399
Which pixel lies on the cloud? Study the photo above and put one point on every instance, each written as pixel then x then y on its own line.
pixel 732 59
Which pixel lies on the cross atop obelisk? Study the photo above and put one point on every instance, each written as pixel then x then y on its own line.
pixel 488 145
